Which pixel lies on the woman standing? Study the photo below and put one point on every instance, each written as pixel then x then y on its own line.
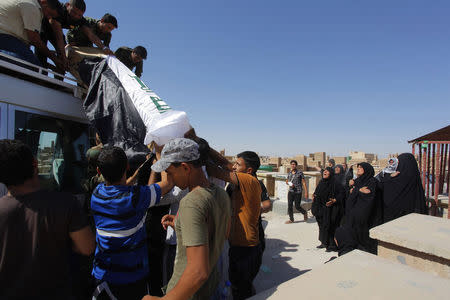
pixel 327 208
pixel 402 189
pixel 360 213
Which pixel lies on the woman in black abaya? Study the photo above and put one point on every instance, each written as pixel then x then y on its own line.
pixel 360 213
pixel 327 208
pixel 402 190
pixel 334 210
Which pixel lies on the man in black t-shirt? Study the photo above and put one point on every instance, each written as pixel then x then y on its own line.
pixel 132 58
pixel 266 205
pixel 37 230
pixel 101 28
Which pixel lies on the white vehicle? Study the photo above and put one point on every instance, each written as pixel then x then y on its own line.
pixel 46 114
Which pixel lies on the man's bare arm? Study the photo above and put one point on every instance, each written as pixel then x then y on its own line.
pixel 220 160
pixel 266 206
pixel 57 30
pixel 195 274
pixel 166 184
pixel 83 241
pixel 223 174
pixel 95 39
pixel 36 41
pixel 305 188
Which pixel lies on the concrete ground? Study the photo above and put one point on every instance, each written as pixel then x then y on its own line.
pixel 290 249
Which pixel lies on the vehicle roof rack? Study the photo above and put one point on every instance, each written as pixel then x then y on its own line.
pixel 24 70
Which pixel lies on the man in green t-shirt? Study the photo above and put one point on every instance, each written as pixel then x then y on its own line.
pixel 201 224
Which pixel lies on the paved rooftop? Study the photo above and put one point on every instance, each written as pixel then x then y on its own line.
pixel 360 275
pixel 290 250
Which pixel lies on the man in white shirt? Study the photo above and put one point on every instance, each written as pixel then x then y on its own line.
pixel 20 24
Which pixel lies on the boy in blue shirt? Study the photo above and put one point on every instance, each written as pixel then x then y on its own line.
pixel 121 256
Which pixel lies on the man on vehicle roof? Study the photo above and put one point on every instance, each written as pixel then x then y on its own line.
pixel 20 24
pixel 132 58
pixel 101 28
pixel 70 16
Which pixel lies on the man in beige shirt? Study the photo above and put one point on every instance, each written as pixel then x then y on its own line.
pixel 20 24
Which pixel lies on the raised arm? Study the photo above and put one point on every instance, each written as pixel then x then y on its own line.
pixel 57 31
pixel 36 41
pixel 220 160
pixel 95 39
pixel 166 184
pixel 223 174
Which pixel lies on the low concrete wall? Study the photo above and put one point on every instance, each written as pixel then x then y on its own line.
pixel 419 260
pixel 419 241
pixel 276 183
pixel 278 189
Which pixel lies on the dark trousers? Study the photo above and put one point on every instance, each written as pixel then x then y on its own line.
pixel 13 46
pixel 169 262
pixel 244 263
pixel 294 198
pixel 156 239
pixel 130 291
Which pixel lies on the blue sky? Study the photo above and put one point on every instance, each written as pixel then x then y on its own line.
pixel 289 77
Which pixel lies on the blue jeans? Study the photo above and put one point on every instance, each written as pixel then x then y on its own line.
pixel 13 46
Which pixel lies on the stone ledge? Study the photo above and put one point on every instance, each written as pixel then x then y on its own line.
pixel 360 275
pixel 430 235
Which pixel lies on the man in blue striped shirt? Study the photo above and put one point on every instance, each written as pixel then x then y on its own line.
pixel 121 258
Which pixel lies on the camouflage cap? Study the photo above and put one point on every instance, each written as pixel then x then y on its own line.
pixel 177 151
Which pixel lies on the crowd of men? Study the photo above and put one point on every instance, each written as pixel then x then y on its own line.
pixel 26 23
pixel 41 230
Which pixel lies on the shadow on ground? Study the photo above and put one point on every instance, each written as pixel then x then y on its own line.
pixel 275 268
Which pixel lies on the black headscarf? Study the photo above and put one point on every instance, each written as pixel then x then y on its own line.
pixel 403 194
pixel 360 182
pixel 340 178
pixel 324 188
pixel 360 211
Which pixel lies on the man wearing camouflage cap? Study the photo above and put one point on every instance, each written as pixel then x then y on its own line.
pixel 201 224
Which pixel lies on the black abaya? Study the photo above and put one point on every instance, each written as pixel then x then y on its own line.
pixel 360 214
pixel 328 218
pixel 403 194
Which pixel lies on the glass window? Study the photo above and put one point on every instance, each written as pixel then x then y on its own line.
pixel 60 149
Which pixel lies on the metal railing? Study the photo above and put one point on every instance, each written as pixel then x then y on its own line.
pixel 37 73
pixel 434 164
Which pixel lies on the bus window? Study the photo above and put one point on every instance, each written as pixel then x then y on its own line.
pixel 59 147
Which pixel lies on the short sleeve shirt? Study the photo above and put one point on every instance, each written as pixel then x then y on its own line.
pixel 119 214
pixel 246 209
pixel 124 55
pixel 77 37
pixel 264 193
pixel 35 243
pixel 202 219
pixel 296 180
pixel 18 15
pixel 67 22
